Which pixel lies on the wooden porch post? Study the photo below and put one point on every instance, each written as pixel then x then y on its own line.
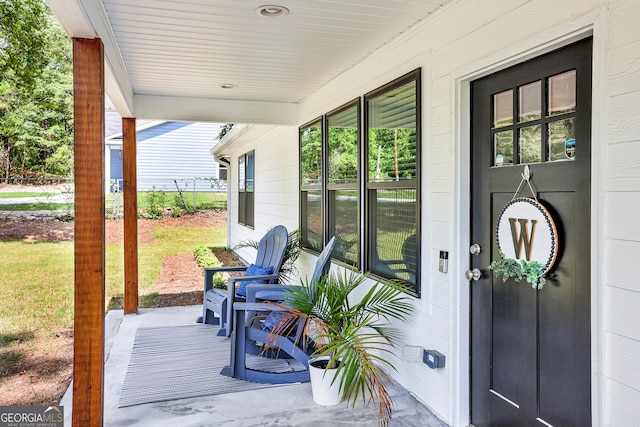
pixel 130 191
pixel 88 347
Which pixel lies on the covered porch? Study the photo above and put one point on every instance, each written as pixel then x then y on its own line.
pixel 286 405
pixel 285 72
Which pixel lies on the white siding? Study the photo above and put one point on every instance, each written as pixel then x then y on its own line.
pixel 276 197
pixel 461 42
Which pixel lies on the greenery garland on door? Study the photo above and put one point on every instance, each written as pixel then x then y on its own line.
pixel 525 211
pixel 532 271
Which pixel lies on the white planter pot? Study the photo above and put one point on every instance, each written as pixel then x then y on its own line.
pixel 324 393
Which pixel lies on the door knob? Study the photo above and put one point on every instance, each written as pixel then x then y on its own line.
pixel 474 274
pixel 474 249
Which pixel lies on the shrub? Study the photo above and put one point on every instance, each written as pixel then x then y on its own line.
pixel 155 200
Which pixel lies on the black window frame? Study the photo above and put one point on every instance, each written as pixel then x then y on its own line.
pixel 246 189
pixel 371 188
pixel 366 190
pixel 306 238
pixel 331 205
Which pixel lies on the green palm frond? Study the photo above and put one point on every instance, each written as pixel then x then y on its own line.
pixel 356 335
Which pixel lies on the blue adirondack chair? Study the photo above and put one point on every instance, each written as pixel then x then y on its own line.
pixel 269 258
pixel 248 331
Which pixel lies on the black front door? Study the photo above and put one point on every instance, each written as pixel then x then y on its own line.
pixel 530 349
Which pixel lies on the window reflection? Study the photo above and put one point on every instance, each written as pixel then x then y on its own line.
pixel 530 102
pixel 562 142
pixel 529 144
pixel 311 153
pixel 562 93
pixel 503 108
pixel 503 148
pixel 392 135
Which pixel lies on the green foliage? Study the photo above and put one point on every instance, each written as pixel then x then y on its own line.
pixel 205 258
pixel 225 130
pixel 357 336
pixel 36 92
pixel 36 206
pixel 155 201
pixel 219 281
pixel 532 271
pixel 385 142
pixel 311 154
pixel 23 40
pixel 66 217
pixel 343 155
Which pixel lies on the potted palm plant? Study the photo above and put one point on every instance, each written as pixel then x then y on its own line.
pixel 350 335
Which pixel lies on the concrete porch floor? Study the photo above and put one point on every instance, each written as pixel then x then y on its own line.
pixel 290 405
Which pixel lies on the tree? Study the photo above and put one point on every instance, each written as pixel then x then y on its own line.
pixel 392 154
pixel 36 92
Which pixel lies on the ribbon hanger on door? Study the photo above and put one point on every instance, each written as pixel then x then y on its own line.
pixel 526 177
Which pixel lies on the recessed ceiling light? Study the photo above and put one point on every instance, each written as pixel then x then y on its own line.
pixel 272 11
pixel 228 86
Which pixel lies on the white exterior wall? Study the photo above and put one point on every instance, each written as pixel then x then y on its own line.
pixel 464 41
pixel 276 182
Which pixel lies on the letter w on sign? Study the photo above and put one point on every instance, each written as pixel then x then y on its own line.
pixel 521 236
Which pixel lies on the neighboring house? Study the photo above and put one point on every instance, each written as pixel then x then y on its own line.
pixel 166 151
pixel 440 118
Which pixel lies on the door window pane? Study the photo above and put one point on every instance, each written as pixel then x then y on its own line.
pixel 562 93
pixel 503 148
pixel 562 142
pixel 529 144
pixel 503 108
pixel 530 102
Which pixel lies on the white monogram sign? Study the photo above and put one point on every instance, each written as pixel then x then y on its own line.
pixel 526 231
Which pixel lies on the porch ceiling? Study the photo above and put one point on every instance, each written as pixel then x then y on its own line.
pixel 167 59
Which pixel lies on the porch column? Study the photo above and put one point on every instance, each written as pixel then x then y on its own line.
pixel 130 191
pixel 89 232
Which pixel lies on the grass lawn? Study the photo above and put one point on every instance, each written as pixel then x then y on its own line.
pixel 167 241
pixel 203 201
pixel 36 284
pixel 19 194
pixel 36 279
pixel 36 206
